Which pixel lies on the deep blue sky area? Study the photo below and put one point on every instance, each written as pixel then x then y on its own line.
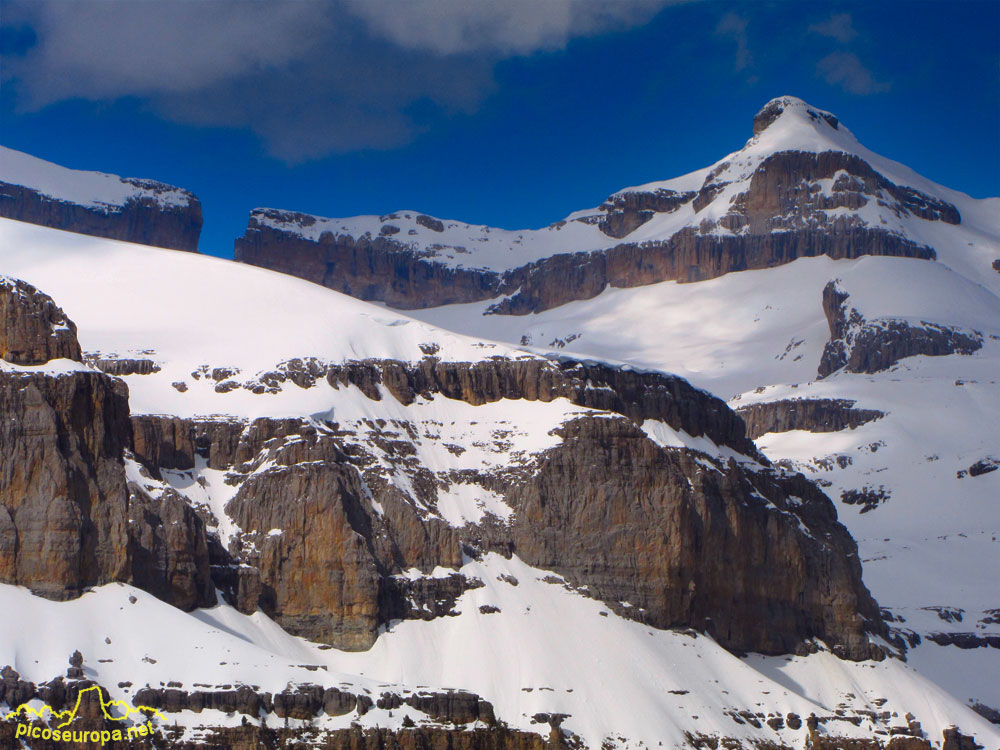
pixel 339 115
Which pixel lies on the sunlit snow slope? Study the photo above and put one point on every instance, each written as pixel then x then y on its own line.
pixel 548 648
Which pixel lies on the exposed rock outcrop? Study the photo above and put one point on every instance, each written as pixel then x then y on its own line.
pixel 686 546
pixel 169 550
pixel 811 414
pixel 685 256
pixel 785 193
pixel 143 218
pixel 33 329
pixel 114 365
pixel 318 558
pixel 318 571
pixel 377 268
pixel 867 346
pixel 63 518
pixel 754 557
pixel 791 204
pixel 626 211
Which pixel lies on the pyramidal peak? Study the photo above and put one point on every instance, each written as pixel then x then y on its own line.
pixel 791 106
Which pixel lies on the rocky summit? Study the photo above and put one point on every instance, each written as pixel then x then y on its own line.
pixel 674 506
pixel 802 186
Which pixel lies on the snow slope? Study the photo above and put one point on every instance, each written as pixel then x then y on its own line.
pixel 91 189
pixel 758 336
pixel 968 247
pixel 549 648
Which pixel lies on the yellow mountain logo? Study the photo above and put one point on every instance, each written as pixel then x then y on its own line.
pixel 60 733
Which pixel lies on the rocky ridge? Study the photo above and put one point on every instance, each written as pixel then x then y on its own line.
pixel 811 414
pixel 451 720
pixel 858 344
pixel 361 531
pixel 68 519
pixel 35 330
pixel 127 208
pixel 766 205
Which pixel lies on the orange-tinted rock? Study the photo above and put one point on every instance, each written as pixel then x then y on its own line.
pixel 33 329
pixel 63 519
pixel 757 560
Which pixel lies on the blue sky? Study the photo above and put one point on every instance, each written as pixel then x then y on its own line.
pixel 511 114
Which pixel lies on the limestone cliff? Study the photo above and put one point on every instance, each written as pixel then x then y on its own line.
pixel 33 329
pixel 801 187
pixel 119 208
pixel 858 344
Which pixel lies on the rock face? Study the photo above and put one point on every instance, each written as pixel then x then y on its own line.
pixel 764 207
pixel 63 499
pixel 867 346
pixel 33 329
pixel 130 209
pixel 313 552
pixel 316 556
pixel 811 414
pixel 68 518
pixel 307 701
pixel 686 256
pixel 635 523
pixel 451 712
pixel 369 268
pixel 319 537
pixel 169 551
pixel 630 209
pixel 63 520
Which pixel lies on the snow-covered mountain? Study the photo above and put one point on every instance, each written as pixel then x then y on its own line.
pixel 279 515
pixel 802 186
pixel 103 205
pixel 798 347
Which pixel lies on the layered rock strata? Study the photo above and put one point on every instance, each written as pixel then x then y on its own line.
pixel 320 535
pixel 810 414
pixel 69 519
pixel 33 329
pixel 64 512
pixel 860 345
pixel 153 213
pixel 791 204
pixel 315 555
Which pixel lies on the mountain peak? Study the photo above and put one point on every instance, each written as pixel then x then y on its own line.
pixel 791 106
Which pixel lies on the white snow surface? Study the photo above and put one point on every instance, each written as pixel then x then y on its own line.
pixel 185 311
pixel 930 549
pixel 90 189
pixel 548 649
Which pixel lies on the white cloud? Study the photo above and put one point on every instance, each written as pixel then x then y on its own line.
pixel 511 27
pixel 845 69
pixel 309 78
pixel 734 26
pixel 113 48
pixel 839 26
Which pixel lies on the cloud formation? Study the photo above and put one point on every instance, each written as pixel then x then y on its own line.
pixel 845 69
pixel 839 26
pixel 734 26
pixel 116 48
pixel 309 78
pixel 511 27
